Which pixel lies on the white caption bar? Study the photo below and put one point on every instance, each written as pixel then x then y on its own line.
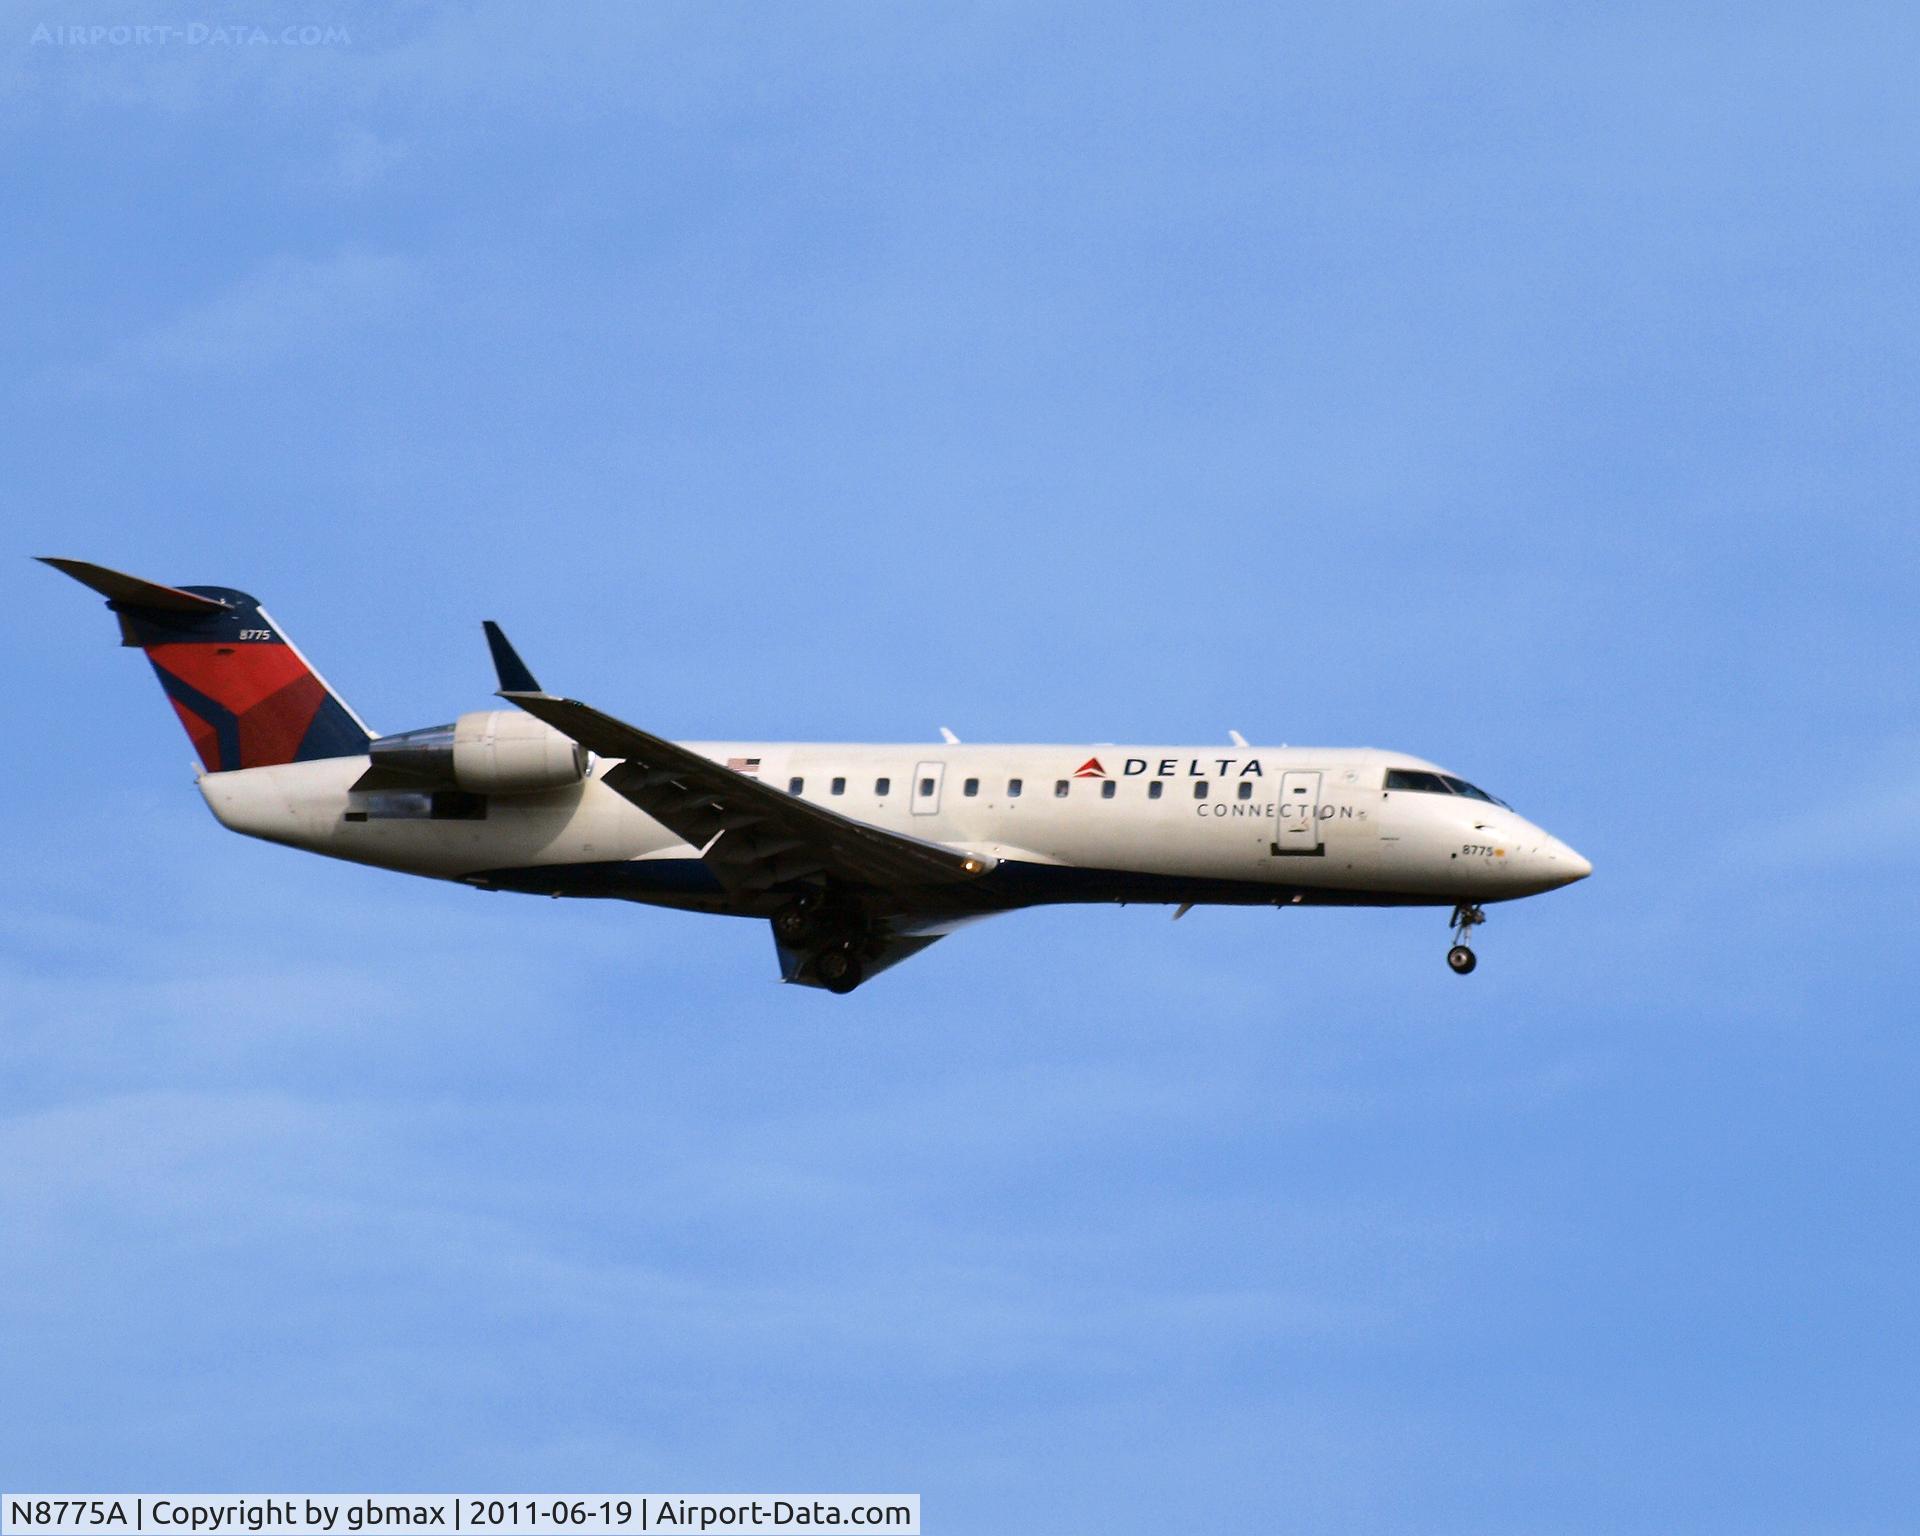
pixel 493 1514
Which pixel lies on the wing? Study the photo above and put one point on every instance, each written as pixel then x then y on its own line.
pixel 755 839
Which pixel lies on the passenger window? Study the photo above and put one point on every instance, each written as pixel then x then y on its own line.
pixel 1154 789
pixel 1013 789
pixel 1200 789
pixel 795 785
pixel 970 788
pixel 1060 787
pixel 1107 789
pixel 926 788
pixel 839 786
pixel 1246 789
pixel 882 786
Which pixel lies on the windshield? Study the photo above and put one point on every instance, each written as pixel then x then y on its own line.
pixel 1425 782
pixel 1462 787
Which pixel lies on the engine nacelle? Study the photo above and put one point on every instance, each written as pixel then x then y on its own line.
pixel 486 752
pixel 508 752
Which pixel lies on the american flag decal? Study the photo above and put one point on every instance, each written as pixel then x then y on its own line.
pixel 744 764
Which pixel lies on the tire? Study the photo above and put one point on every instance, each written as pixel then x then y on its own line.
pixel 796 924
pixel 1461 959
pixel 838 969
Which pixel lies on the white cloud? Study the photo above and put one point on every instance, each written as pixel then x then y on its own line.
pixel 288 306
pixel 1877 822
pixel 363 158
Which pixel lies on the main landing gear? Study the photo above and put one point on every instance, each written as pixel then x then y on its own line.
pixel 838 966
pixel 797 923
pixel 1466 917
pixel 836 938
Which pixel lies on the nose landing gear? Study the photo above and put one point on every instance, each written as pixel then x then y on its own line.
pixel 1466 917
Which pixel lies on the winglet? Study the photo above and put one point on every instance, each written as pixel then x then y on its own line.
pixel 118 587
pixel 514 676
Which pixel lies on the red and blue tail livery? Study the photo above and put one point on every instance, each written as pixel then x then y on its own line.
pixel 245 694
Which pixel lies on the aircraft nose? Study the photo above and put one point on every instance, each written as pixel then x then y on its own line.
pixel 1565 865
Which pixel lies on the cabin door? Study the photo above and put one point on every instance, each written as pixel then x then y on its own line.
pixel 1297 817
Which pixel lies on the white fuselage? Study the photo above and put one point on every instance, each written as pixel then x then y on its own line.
pixel 1238 824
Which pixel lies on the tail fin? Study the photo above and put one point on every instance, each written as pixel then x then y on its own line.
pixel 244 692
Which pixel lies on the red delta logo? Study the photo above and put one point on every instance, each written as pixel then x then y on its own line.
pixel 1090 769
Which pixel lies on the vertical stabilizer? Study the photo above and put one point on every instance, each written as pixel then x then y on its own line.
pixel 245 694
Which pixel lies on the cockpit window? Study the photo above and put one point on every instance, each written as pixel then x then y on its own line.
pixel 1462 787
pixel 1437 784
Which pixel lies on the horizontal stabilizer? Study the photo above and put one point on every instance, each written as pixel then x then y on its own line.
pixel 132 591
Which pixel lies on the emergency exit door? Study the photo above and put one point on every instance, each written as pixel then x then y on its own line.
pixel 1297 816
pixel 927 778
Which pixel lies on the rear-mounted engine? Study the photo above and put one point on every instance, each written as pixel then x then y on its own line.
pixel 487 752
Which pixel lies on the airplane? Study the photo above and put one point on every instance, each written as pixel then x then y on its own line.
pixel 858 855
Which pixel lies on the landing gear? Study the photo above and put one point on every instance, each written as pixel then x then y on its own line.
pixel 839 968
pixel 1466 917
pixel 798 923
pixel 824 940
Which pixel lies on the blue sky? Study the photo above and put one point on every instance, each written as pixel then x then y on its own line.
pixel 1519 386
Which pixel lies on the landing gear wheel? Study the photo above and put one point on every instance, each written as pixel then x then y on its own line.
pixel 1467 916
pixel 838 969
pixel 797 923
